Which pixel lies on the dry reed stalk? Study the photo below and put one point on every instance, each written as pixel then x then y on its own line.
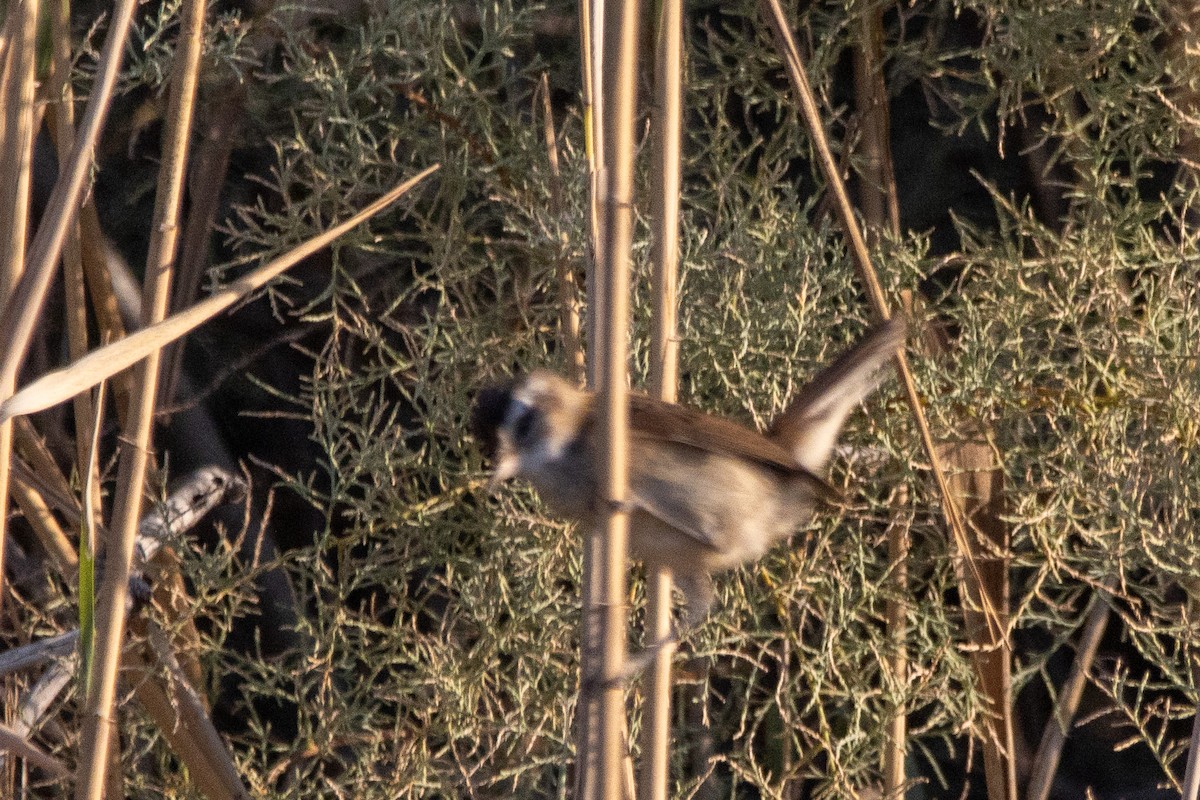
pixel 218 129
pixel 23 303
pixel 619 93
pixel 95 737
pixel 61 119
pixel 664 370
pixel 16 156
pixel 862 261
pixel 977 481
pixel 877 176
pixel 992 634
pixel 42 472
pixel 18 745
pixel 185 720
pixel 568 286
pixel 587 751
pixel 49 533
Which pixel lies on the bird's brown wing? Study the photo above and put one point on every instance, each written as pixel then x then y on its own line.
pixel 670 422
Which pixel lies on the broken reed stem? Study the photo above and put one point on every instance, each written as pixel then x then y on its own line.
pixel 664 371
pixel 135 444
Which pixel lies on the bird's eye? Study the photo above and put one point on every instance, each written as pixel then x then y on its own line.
pixel 524 424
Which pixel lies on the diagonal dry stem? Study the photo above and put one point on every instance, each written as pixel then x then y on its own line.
pixel 862 260
pixel 106 361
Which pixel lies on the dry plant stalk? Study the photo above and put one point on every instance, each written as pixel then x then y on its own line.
pixel 568 287
pixel 16 155
pixel 587 750
pixel 881 212
pixel 991 633
pixel 13 742
pixel 23 303
pixel 664 370
pixel 877 177
pixel 173 703
pixel 866 272
pixel 977 481
pixel 619 96
pixel 60 117
pixel 104 362
pixel 95 736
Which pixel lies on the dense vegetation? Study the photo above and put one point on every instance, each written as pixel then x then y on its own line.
pixel 377 626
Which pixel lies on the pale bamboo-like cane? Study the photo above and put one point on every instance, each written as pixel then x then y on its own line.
pixel 619 95
pixel 664 371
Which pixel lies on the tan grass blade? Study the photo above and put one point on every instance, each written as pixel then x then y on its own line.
pixel 102 363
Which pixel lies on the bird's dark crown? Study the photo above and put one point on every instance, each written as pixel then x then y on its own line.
pixel 487 415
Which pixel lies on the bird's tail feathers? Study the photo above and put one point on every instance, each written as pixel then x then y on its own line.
pixel 809 427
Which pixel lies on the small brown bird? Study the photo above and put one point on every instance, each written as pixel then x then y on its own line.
pixel 705 493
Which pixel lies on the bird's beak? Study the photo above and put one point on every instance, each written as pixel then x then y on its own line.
pixel 506 467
